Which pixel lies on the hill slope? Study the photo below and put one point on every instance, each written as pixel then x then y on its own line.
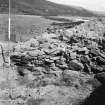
pixel 44 7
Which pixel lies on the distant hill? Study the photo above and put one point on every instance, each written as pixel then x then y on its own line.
pixel 47 8
pixel 44 8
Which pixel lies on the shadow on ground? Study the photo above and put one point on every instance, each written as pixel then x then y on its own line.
pixel 97 97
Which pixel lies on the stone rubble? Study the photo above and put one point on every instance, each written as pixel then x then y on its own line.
pixel 67 57
pixel 76 53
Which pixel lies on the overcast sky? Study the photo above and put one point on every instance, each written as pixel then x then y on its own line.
pixel 98 5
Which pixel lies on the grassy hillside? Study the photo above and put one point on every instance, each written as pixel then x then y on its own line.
pixel 44 7
pixel 24 27
pixel 3 27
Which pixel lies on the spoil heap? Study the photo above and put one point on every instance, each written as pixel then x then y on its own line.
pixel 63 51
pixel 68 57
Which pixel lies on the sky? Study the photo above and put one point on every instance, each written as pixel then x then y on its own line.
pixel 96 5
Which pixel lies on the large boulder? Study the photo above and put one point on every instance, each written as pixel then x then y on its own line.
pixel 74 78
pixel 84 59
pixel 49 36
pixel 96 68
pixel 62 66
pixel 32 42
pixel 94 52
pixel 101 77
pixel 73 55
pixel 82 50
pixel 75 65
pixel 100 60
pixel 35 53
pixel 70 77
